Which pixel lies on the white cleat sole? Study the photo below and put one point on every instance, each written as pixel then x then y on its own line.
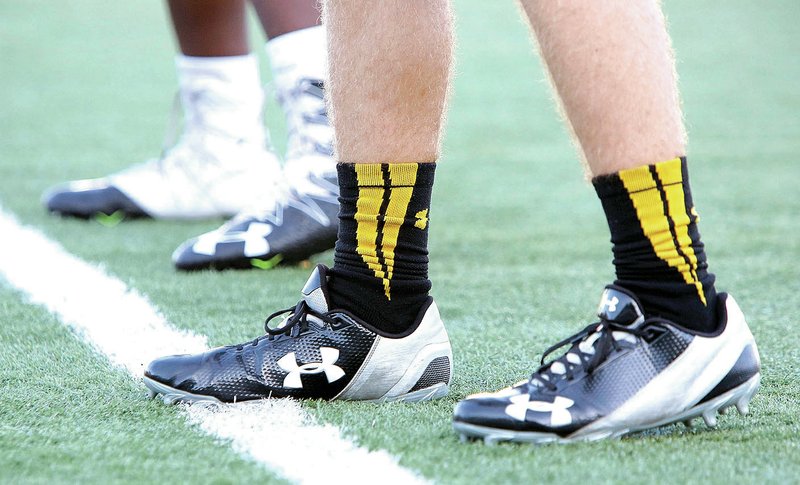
pixel 170 395
pixel 428 394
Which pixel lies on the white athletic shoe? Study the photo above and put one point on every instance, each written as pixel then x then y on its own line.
pixel 288 230
pixel 219 166
pixel 204 175
pixel 309 153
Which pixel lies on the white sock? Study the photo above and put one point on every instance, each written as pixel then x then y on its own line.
pixel 222 94
pixel 296 55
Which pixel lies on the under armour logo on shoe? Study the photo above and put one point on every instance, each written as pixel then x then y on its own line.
pixel 558 409
pixel 611 303
pixel 254 239
pixel 329 357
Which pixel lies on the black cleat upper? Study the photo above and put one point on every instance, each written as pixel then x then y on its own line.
pixel 293 231
pixel 314 353
pixel 607 363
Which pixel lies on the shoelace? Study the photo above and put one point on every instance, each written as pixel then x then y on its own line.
pixel 590 348
pixel 184 150
pixel 180 132
pixel 293 325
pixel 305 105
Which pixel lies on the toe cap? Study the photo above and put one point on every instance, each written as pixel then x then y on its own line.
pixel 87 198
pixel 485 412
pixel 220 256
pixel 185 258
pixel 176 371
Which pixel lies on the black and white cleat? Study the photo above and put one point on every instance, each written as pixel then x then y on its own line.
pixel 623 374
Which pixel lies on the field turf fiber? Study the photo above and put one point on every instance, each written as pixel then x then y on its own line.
pixel 519 249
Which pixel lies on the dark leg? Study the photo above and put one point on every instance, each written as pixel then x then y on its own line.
pixel 283 16
pixel 210 28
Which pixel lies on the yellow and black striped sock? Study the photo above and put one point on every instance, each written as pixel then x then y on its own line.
pixel 380 270
pixel 658 254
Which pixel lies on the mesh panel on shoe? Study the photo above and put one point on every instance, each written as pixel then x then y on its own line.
pixel 438 371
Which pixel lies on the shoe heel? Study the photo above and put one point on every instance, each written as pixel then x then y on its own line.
pixel 423 385
pixel 417 367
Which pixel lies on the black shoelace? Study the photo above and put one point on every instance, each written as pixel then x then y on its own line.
pixel 603 347
pixel 294 325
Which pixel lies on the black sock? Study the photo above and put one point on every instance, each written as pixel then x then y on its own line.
pixel 380 270
pixel 657 249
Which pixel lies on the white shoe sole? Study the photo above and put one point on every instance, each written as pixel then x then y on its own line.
pixel 170 395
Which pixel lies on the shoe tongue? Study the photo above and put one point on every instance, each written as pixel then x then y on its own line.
pixel 315 291
pixel 620 306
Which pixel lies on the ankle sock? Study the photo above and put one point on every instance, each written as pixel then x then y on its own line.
pixel 658 253
pixel 380 270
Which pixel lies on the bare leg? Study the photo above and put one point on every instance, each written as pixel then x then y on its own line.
pixel 210 28
pixel 389 66
pixel 612 65
pixel 613 68
pixel 390 62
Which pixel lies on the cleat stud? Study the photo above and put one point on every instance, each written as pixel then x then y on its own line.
pixel 151 394
pixel 710 419
pixel 742 407
pixel 722 411
pixel 463 438
pixel 688 423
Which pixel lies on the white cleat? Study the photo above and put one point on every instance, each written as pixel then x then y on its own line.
pixel 219 166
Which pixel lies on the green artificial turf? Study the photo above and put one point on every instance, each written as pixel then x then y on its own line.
pixel 519 248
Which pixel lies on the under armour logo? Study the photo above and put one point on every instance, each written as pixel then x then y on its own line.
pixel 558 409
pixel 254 239
pixel 611 303
pixel 422 219
pixel 329 357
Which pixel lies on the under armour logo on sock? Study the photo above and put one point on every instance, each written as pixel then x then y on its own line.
pixel 558 409
pixel 329 357
pixel 422 219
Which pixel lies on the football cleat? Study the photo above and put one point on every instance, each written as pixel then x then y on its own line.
pixel 218 167
pixel 625 373
pixel 295 228
pixel 315 352
pixel 289 229
pixel 205 175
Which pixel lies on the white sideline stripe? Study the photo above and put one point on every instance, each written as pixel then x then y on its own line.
pixel 123 325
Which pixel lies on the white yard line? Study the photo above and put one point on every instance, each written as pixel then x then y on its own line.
pixel 124 326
